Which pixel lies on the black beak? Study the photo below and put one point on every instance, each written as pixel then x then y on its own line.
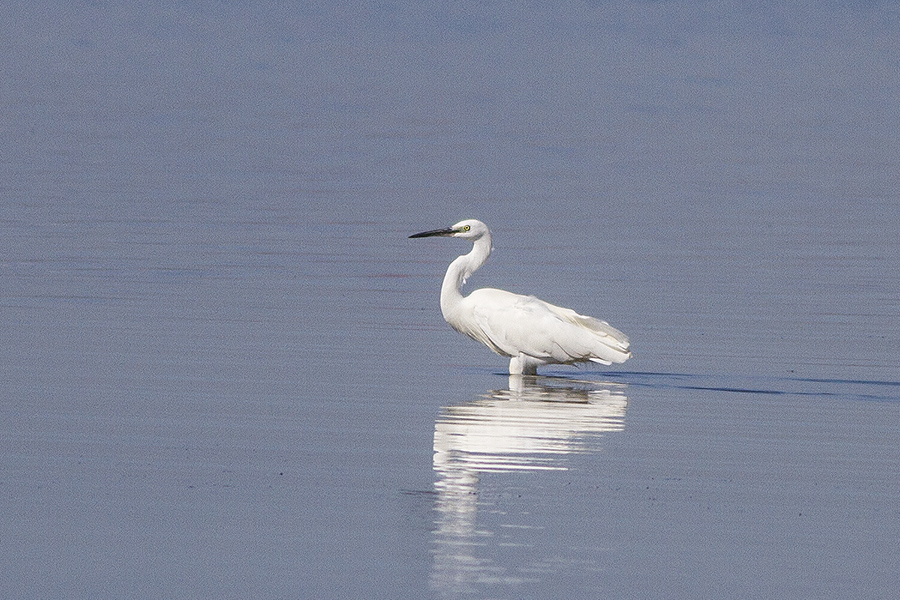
pixel 447 231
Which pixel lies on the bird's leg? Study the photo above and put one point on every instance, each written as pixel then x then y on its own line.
pixel 515 366
pixel 523 365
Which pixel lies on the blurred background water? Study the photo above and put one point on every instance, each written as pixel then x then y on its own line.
pixel 224 373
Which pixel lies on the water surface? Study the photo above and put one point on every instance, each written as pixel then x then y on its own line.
pixel 223 370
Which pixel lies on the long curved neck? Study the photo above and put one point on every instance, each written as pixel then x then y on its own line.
pixel 460 270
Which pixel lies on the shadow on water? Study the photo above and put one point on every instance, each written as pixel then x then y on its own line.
pixel 849 389
pixel 531 426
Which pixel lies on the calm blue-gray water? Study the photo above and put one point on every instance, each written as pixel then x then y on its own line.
pixel 224 371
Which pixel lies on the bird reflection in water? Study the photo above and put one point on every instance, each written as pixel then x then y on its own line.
pixel 532 426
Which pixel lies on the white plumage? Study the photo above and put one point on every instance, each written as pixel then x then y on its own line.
pixel 528 330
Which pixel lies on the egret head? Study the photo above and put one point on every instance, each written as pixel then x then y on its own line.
pixel 470 229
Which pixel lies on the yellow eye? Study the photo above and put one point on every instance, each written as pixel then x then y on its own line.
pixel 466 228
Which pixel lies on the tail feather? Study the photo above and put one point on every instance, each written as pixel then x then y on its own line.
pixel 601 361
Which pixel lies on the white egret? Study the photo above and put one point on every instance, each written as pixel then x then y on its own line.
pixel 528 330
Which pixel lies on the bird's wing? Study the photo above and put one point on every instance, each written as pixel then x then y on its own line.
pixel 523 324
pixel 509 324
